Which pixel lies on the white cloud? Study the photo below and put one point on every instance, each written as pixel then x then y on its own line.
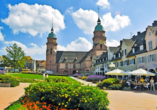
pixel 33 19
pixel 69 10
pixel 103 3
pixel 112 43
pixel 87 20
pixel 81 44
pixel 30 51
pixel 1 35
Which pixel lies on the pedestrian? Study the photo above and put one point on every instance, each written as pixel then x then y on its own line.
pixel 43 75
pixel 99 81
pixel 152 85
pixel 47 75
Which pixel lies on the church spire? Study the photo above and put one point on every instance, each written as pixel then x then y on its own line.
pixel 99 21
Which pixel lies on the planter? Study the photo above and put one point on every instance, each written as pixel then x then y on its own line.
pixel 4 84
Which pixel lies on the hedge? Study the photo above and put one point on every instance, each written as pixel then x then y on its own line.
pixel 70 96
pixel 9 79
pixel 107 82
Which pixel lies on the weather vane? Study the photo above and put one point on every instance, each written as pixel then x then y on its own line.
pixel 52 21
pixel 98 10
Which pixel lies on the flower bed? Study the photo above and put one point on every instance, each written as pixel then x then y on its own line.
pixel 116 86
pixel 2 72
pixel 76 75
pixel 9 79
pixel 84 77
pixel 69 96
pixel 110 83
pixel 95 78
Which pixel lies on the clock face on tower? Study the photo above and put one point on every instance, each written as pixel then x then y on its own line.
pixel 100 42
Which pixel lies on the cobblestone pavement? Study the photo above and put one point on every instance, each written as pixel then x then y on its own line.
pixel 10 94
pixel 129 100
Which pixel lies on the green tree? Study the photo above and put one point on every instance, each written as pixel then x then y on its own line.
pixel 15 56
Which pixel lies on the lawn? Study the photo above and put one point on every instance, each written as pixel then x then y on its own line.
pixel 30 78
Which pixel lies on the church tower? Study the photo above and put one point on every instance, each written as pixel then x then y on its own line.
pixel 51 51
pixel 99 39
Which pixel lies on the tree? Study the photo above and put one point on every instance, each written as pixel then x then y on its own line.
pixel 15 56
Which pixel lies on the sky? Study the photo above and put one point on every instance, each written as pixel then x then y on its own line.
pixel 28 23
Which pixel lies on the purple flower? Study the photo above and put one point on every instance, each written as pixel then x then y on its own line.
pixel 95 78
pixel 2 72
pixel 75 75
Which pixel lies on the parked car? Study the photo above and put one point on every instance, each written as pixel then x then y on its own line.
pixel 49 72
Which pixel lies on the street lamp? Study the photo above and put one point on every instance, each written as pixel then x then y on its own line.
pixel 112 65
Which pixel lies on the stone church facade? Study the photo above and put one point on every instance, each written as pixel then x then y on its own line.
pixel 70 62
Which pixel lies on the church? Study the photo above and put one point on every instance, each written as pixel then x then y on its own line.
pixel 71 62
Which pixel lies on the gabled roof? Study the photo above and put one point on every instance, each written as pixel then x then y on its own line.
pixel 114 49
pixel 39 62
pixel 139 40
pixel 87 54
pixel 104 55
pixel 128 42
pixel 153 29
pixel 69 56
pixel 28 58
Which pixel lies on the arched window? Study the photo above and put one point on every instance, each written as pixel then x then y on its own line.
pixel 74 66
pixel 51 51
pixel 66 66
pixel 57 68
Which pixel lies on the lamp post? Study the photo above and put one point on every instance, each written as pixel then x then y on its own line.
pixel 111 66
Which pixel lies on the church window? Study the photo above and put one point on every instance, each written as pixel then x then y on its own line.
pixel 51 51
pixel 74 66
pixel 66 66
pixel 57 68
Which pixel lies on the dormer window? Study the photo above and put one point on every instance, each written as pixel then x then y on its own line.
pixel 114 56
pixel 149 33
pixel 124 52
pixel 133 50
pixel 150 45
pixel 141 47
pixel 119 54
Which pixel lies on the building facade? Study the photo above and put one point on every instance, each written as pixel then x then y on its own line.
pixel 138 52
pixel 70 62
pixel 30 64
pixel 41 65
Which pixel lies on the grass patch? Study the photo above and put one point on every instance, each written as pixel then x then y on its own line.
pixel 16 105
pixel 32 78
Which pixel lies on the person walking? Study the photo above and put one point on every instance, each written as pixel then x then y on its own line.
pixel 152 85
pixel 47 75
pixel 43 75
pixel 99 81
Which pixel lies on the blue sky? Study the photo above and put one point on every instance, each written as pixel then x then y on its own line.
pixel 28 22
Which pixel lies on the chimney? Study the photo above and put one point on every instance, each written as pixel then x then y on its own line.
pixel 121 42
pixel 138 33
pixel 133 36
pixel 154 24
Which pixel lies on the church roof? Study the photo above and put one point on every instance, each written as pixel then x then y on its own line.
pixel 70 56
pixel 51 34
pixel 99 27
